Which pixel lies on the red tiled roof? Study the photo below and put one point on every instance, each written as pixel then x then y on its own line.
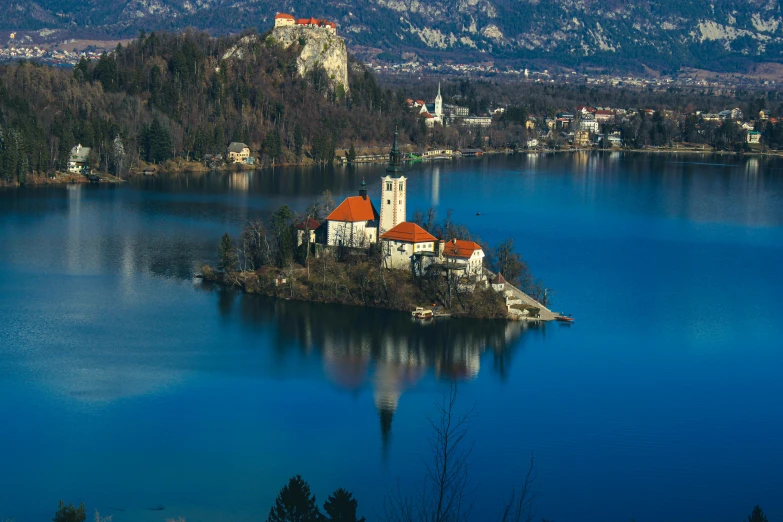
pixel 302 21
pixel 460 248
pixel 353 209
pixel 281 16
pixel 310 224
pixel 499 279
pixel 410 233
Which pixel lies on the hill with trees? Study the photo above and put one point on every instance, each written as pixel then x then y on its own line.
pixel 186 95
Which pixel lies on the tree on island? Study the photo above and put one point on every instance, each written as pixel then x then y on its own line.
pixel 294 503
pixel 70 513
pixel 757 515
pixel 341 507
pixel 227 254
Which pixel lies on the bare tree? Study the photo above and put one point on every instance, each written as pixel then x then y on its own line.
pixel 447 494
pixel 520 507
pixel 98 517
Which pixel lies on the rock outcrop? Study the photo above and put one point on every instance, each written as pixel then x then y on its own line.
pixel 322 47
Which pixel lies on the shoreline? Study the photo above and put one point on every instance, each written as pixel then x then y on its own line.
pixel 275 286
pixel 191 169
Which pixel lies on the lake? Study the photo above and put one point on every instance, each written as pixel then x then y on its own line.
pixel 127 384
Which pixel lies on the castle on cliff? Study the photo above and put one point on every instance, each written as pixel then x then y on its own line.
pixel 283 20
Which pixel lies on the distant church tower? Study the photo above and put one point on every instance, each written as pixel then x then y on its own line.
pixel 393 191
pixel 439 105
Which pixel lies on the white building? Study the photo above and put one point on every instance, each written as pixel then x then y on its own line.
pixel 354 223
pixel 405 241
pixel 283 19
pixel 79 159
pixel 589 126
pixel 754 137
pixel 467 254
pixel 393 192
pixel 478 121
pixel 433 112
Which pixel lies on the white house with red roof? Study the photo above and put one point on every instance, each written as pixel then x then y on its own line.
pixel 283 19
pixel 354 223
pixel 467 254
pixel 404 242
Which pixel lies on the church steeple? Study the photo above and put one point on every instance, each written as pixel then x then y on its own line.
pixel 439 105
pixel 363 189
pixel 393 191
pixel 395 159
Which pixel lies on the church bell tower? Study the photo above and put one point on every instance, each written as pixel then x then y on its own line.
pixel 439 105
pixel 393 191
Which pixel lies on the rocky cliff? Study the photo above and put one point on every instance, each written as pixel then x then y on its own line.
pixel 320 47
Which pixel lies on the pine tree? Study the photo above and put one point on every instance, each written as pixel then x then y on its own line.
pixel 70 513
pixel 757 515
pixel 351 156
pixel 294 503
pixel 298 141
pixel 227 254
pixel 341 507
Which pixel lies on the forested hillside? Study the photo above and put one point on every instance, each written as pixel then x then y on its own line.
pixel 175 94
pixel 613 34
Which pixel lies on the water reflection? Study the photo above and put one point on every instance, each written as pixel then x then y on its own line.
pixel 387 351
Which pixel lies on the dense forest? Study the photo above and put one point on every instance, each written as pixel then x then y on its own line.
pixel 173 94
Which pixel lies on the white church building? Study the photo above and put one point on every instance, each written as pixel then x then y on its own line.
pixel 433 112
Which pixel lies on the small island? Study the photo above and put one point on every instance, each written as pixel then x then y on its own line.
pixel 355 254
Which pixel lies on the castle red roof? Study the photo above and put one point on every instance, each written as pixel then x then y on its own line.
pixel 460 248
pixel 354 209
pixel 410 233
pixel 283 16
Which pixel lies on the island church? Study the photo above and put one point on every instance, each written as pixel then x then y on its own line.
pixel 357 223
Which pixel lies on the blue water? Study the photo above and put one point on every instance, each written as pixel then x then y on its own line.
pixel 126 384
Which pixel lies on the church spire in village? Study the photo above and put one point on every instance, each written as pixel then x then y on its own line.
pixel 395 159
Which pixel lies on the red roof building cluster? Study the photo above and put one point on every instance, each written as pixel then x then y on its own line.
pixel 309 22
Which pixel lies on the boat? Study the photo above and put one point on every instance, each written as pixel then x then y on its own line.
pixel 421 313
pixel 564 319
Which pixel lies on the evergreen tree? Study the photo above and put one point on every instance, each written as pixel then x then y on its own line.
pixel 273 146
pixel 757 515
pixel 351 156
pixel 341 507
pixel 280 226
pixel 70 513
pixel 298 141
pixel 227 254
pixel 294 503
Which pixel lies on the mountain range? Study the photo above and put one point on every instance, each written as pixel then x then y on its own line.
pixel 721 35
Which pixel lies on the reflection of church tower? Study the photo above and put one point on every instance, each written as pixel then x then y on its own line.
pixel 387 393
pixel 393 191
pixel 386 424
